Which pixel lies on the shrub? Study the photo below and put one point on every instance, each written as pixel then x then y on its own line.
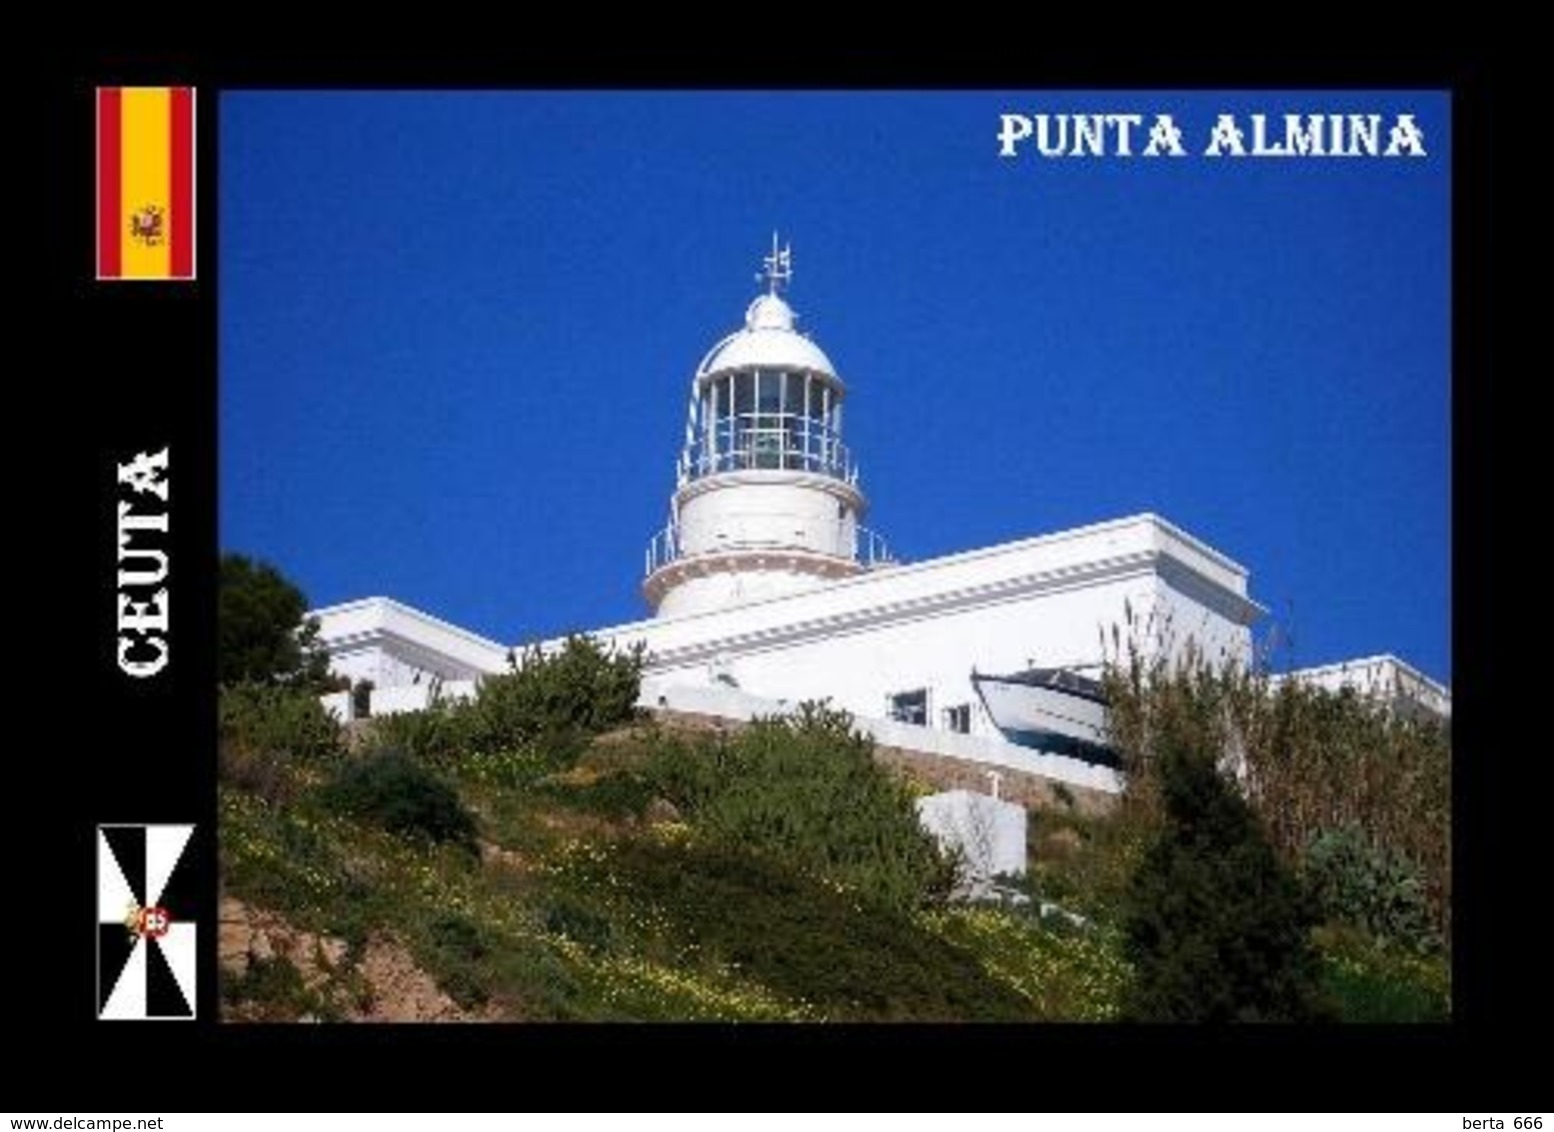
pixel 1373 982
pixel 1214 924
pixel 262 635
pixel 1308 760
pixel 268 720
pixel 394 791
pixel 258 773
pixel 439 734
pixel 555 699
pixel 458 936
pixel 1084 864
pixel 458 949
pixel 1318 761
pixel 546 708
pixel 614 794
pixel 807 790
pixel 269 990
pixel 1356 882
pixel 573 919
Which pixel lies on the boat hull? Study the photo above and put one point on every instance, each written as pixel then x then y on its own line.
pixel 1046 718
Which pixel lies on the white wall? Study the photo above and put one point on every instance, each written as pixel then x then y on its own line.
pixel 1047 602
pixel 768 508
pixel 1043 601
pixel 338 704
pixel 734 704
pixel 861 668
pixel 989 832
pixel 417 697
pixel 388 642
pixel 1384 678
pixel 748 577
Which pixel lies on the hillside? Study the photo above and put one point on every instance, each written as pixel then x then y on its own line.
pixel 590 896
pixel 654 871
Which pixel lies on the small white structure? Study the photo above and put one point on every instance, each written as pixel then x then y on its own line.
pixel 410 657
pixel 987 832
pixel 1382 679
pixel 767 590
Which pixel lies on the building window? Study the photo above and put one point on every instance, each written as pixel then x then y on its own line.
pixel 958 718
pixel 909 707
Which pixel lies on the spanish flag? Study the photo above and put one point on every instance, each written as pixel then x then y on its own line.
pixel 145 182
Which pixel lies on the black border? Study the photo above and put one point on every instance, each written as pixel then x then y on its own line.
pixel 139 368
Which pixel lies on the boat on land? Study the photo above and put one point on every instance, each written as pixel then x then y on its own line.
pixel 1053 710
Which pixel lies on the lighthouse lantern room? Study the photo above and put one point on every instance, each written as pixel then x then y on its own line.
pixel 766 499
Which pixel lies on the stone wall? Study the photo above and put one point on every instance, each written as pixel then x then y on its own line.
pixel 943 772
pixel 1029 790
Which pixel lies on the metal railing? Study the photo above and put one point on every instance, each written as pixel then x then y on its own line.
pixel 662 549
pixel 774 441
pixel 866 547
pixel 871 549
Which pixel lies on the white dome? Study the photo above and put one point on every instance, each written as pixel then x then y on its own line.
pixel 768 339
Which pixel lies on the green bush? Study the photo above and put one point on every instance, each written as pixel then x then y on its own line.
pixel 614 794
pixel 458 948
pixel 439 734
pixel 259 773
pixel 1215 925
pixel 1083 864
pixel 572 918
pixel 807 790
pixel 262 637
pixel 1309 759
pixel 1356 882
pixel 394 791
pixel 1370 981
pixel 546 708
pixel 270 990
pixel 555 699
pixel 268 720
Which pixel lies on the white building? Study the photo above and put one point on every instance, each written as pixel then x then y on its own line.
pixel 767 589
pixel 1385 679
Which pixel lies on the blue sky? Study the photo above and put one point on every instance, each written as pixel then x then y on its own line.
pixel 457 333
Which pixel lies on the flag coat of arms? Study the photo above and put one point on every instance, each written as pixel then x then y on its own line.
pixel 146 937
pixel 145 182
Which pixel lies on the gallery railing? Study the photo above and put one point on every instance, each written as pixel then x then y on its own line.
pixel 865 546
pixel 779 442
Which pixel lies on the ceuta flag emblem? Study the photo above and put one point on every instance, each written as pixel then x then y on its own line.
pixel 145 182
pixel 146 938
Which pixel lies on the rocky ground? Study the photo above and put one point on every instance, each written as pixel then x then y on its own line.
pixel 382 985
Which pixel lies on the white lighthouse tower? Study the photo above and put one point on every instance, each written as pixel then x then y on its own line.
pixel 766 499
pixel 765 595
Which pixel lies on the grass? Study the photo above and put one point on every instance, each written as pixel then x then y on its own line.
pixel 591 898
pixel 1370 981
pixel 581 908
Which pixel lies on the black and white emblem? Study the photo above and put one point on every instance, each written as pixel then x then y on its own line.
pixel 145 922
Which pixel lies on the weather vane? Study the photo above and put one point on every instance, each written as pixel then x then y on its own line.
pixel 777 268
